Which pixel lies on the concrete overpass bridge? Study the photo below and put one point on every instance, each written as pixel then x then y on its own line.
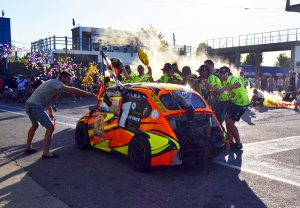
pixel 233 47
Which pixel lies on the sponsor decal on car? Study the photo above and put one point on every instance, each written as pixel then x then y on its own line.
pixel 158 103
pixel 154 114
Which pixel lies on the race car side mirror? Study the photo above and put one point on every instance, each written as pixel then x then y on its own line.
pixel 190 113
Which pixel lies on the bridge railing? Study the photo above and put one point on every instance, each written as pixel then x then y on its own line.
pixel 280 36
pixel 87 44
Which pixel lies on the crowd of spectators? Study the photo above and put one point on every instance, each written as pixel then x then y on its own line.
pixel 18 87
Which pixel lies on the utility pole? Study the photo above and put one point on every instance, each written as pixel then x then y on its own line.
pixel 174 39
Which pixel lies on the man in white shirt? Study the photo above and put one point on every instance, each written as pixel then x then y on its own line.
pixel 251 81
pixel 9 94
pixel 22 84
pixel 257 97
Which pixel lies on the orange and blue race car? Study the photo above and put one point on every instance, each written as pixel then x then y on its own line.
pixel 153 124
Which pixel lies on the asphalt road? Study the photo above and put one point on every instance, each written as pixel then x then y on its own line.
pixel 266 173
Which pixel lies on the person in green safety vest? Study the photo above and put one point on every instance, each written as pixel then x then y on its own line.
pixel 237 105
pixel 217 101
pixel 142 76
pixel 208 80
pixel 243 79
pixel 169 76
pixel 189 78
pixel 128 76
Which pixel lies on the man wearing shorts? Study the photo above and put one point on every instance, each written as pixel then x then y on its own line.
pixel 42 99
pixel 238 103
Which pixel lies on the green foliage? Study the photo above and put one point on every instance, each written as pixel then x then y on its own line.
pixel 152 32
pixel 250 59
pixel 202 48
pixel 23 58
pixel 283 60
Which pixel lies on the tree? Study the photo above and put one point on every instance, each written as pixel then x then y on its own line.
pixel 152 32
pixel 250 59
pixel 202 48
pixel 283 60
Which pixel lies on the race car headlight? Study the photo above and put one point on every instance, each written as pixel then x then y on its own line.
pixel 176 159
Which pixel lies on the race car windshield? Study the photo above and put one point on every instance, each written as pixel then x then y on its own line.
pixel 180 99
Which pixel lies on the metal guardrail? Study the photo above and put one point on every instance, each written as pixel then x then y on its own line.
pixel 86 44
pixel 280 36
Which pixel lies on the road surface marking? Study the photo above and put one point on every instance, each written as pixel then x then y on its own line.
pixel 256 158
pixel 252 150
pixel 259 174
pixel 24 114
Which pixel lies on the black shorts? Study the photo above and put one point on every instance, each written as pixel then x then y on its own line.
pixel 234 111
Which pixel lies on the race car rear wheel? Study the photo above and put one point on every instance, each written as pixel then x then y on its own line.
pixel 139 153
pixel 81 136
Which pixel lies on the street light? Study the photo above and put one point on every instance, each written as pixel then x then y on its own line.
pixel 292 8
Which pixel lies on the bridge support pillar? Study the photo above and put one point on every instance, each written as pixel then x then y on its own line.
pixel 237 59
pixel 293 60
pixel 257 68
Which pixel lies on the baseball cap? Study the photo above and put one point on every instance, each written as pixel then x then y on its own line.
pixel 127 67
pixel 203 68
pixel 6 87
pixel 167 66
pixel 224 69
pixel 20 75
pixel 116 62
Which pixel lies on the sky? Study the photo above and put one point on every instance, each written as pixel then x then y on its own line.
pixel 192 21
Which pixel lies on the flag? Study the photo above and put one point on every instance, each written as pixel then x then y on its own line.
pixel 112 73
pixel 107 63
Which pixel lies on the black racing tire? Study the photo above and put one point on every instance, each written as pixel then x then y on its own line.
pixel 139 153
pixel 82 139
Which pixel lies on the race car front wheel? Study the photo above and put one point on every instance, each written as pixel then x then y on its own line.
pixel 139 153
pixel 81 136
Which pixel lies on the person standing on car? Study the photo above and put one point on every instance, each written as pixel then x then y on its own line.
pixel 42 99
pixel 237 105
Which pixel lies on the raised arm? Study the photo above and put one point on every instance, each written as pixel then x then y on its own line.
pixel 76 91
